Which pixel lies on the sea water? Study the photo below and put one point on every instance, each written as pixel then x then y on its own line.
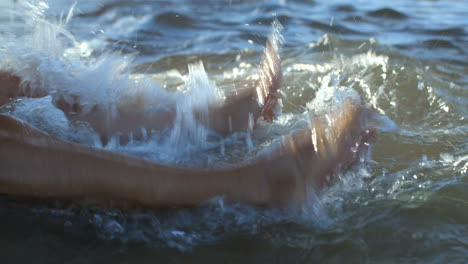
pixel 405 202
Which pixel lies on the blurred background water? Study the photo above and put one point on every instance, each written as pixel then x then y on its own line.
pixel 407 204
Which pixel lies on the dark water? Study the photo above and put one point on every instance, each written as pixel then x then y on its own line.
pixel 408 203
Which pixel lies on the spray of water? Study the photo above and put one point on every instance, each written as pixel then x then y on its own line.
pixel 49 57
pixel 189 132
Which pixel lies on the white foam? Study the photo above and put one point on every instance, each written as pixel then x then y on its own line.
pixel 48 57
pixel 192 113
pixel 330 96
pixel 42 114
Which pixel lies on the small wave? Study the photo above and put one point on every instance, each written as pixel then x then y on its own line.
pixel 283 19
pixel 450 31
pixel 345 8
pixel 387 13
pixel 333 43
pixel 177 20
pixel 100 11
pixel 439 44
pixel 357 19
pixel 334 28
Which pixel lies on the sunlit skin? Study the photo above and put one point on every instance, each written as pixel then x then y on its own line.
pixel 231 116
pixel 35 164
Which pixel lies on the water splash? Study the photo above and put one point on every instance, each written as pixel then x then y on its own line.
pixel 330 96
pixel 192 112
pixel 47 61
pixel 48 57
pixel 42 114
pixel 63 65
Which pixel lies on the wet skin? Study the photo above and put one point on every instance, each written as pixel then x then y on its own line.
pixel 35 164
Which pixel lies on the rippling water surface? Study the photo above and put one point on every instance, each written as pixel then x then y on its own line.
pixel 407 203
